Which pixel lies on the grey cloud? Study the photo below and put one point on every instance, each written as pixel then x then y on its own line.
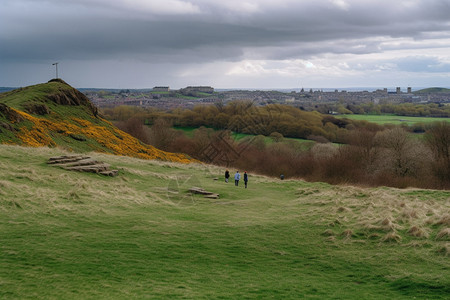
pixel 414 64
pixel 422 64
pixel 204 31
pixel 298 25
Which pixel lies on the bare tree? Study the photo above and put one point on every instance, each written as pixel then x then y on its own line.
pixel 162 134
pixel 437 139
pixel 134 126
pixel 401 154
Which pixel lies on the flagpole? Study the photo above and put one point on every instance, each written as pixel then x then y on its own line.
pixel 56 65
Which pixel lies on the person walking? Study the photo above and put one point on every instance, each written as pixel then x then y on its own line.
pixel 237 177
pixel 227 175
pixel 245 178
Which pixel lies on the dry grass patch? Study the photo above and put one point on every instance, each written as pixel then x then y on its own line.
pixel 348 233
pixel 443 234
pixel 444 220
pixel 444 250
pixel 383 214
pixel 328 232
pixel 387 224
pixel 418 232
pixel 343 209
pixel 391 237
pixel 419 244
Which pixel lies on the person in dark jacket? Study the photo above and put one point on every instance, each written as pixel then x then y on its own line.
pixel 227 175
pixel 245 178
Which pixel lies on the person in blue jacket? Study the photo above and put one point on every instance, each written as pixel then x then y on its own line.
pixel 245 178
pixel 237 177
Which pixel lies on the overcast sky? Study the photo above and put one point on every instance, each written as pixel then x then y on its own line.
pixel 226 43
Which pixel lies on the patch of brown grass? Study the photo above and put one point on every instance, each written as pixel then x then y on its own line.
pixel 391 237
pixel 444 220
pixel 444 234
pixel 418 232
pixel 331 238
pixel 410 213
pixel 343 209
pixel 4 184
pixel 373 236
pixel 387 224
pixel 328 232
pixel 348 233
pixel 418 244
pixel 444 250
pixel 334 223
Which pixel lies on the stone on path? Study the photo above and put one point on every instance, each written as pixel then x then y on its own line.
pixel 82 164
pixel 209 195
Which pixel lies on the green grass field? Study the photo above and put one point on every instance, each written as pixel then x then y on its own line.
pixel 393 119
pixel 189 132
pixel 69 235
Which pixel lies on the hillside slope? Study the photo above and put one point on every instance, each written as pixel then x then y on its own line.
pixel 71 235
pixel 56 115
pixel 433 90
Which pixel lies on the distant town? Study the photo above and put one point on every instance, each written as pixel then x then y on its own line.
pixel 165 98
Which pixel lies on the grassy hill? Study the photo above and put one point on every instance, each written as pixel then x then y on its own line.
pixel 69 235
pixel 433 90
pixel 55 114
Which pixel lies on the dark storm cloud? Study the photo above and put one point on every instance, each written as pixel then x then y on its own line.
pixel 140 38
pixel 178 35
pixel 98 29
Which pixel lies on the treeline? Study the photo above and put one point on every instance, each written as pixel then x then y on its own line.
pixel 390 157
pixel 244 117
pixel 367 153
pixel 385 158
pixel 400 109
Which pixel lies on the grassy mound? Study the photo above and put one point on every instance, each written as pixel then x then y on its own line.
pixel 140 235
pixel 433 90
pixel 56 115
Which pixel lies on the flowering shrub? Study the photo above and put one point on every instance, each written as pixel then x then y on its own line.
pixel 111 139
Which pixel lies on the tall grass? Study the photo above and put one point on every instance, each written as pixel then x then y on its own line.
pixel 139 235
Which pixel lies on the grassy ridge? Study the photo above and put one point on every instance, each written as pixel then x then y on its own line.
pixel 433 90
pixel 72 235
pixel 36 93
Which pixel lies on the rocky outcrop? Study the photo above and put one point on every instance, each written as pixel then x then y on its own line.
pixel 71 97
pixel 10 114
pixel 6 126
pixel 37 108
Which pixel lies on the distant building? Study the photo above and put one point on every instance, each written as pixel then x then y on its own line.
pixel 289 100
pixel 409 90
pixel 161 89
pixel 398 90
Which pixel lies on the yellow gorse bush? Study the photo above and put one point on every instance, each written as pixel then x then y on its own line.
pixel 112 139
